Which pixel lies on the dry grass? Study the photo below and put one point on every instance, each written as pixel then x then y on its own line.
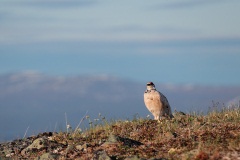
pixel 193 136
pixel 212 136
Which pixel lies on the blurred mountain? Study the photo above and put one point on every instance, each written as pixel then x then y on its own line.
pixel 39 102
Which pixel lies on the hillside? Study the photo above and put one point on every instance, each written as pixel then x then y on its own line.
pixel 192 136
pixel 27 97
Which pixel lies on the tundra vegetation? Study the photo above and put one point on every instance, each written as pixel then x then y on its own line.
pixel 215 135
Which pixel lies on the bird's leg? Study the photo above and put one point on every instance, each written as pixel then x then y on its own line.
pixel 158 118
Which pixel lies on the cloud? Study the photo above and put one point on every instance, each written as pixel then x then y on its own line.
pixel 54 21
pixel 163 29
pixel 186 4
pixel 51 3
pixel 58 32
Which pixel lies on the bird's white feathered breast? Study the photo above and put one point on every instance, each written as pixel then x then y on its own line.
pixel 157 103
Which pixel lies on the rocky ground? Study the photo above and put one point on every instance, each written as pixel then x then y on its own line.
pixel 215 136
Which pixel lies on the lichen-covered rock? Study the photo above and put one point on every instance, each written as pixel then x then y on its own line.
pixel 47 156
pixel 38 144
pixel 82 147
pixel 134 158
pixel 101 155
pixel 114 139
pixel 10 149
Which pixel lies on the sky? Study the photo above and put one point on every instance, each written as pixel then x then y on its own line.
pixel 174 41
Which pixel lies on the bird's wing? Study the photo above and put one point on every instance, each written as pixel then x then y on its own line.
pixel 166 105
pixel 163 99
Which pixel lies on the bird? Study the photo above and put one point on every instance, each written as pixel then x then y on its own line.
pixel 156 102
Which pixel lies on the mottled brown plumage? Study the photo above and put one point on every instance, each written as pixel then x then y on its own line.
pixel 156 102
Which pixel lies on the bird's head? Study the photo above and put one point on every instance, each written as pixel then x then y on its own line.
pixel 150 86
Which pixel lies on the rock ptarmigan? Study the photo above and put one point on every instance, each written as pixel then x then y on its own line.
pixel 156 102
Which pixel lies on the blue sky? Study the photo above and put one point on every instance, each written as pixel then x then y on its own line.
pixel 175 41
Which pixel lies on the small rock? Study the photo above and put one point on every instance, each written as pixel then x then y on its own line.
pixel 47 156
pixel 9 155
pixel 82 147
pixel 101 155
pixel 37 144
pixel 134 158
pixel 70 148
pixel 45 134
pixel 170 135
pixel 113 138
pixel 79 147
pixel 172 151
